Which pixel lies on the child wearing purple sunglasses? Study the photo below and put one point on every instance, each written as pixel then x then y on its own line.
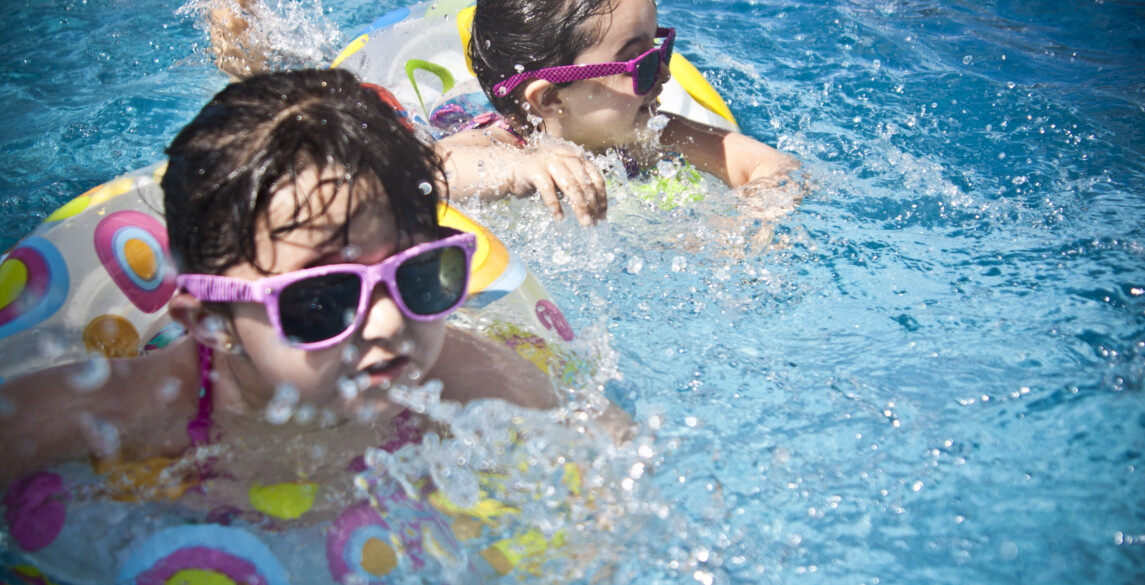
pixel 303 218
pixel 589 72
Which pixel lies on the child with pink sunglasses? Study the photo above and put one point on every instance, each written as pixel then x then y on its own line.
pixel 588 72
pixel 303 219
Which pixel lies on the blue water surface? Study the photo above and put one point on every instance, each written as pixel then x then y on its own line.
pixel 932 372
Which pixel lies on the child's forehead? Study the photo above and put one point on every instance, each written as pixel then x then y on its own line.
pixel 319 207
pixel 627 19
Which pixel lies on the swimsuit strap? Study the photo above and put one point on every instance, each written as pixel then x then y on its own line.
pixel 493 118
pixel 199 427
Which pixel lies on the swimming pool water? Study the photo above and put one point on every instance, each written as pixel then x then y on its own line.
pixel 934 371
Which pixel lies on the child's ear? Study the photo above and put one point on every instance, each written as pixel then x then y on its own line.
pixel 207 327
pixel 543 98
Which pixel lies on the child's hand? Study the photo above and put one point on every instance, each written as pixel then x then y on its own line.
pixel 564 168
pixel 487 164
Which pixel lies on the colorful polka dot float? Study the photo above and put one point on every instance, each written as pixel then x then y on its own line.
pixel 367 546
pixel 132 246
pixel 553 319
pixel 35 509
pixel 34 284
pixel 206 554
pixel 111 335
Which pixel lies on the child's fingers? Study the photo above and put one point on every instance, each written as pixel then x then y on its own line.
pixel 544 185
pixel 572 179
pixel 598 189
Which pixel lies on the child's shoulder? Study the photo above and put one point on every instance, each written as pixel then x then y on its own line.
pixel 472 367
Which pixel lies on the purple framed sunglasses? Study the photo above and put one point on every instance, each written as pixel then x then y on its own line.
pixel 645 69
pixel 318 308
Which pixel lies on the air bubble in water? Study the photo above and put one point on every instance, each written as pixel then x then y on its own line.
pixel 635 265
pixel 91 374
pixel 967 60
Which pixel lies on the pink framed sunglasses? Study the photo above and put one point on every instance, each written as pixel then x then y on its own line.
pixel 318 308
pixel 645 69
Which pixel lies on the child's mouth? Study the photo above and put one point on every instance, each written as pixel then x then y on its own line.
pixel 383 374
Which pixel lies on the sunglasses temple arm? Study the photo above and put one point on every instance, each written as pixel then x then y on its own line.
pixel 218 289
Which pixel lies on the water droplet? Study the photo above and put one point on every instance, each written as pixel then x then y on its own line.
pixel 280 409
pixel 365 414
pixel 52 344
pixel 1008 550
pixel 519 68
pixel 350 354
pixel 967 60
pixel 305 414
pixel 168 390
pixel 425 188
pixel 347 388
pixel 658 122
pixel 91 374
pixel 102 436
pixel 635 265
pixel 351 252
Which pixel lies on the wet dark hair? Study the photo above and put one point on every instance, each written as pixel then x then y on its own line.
pixel 257 136
pixel 533 34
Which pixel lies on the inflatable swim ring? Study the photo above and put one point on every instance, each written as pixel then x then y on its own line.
pixel 418 52
pixel 95 278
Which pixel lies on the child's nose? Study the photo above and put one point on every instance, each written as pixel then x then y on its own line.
pixel 383 320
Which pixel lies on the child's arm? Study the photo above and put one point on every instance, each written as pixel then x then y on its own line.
pixel 136 406
pixel 237 52
pixel 486 163
pixel 734 158
pixel 471 367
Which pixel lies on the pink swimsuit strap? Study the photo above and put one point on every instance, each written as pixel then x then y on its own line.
pixel 405 429
pixel 199 427
pixel 494 119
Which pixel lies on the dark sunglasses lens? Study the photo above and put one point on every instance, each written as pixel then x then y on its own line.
pixel 319 308
pixel 647 71
pixel 668 46
pixel 432 282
